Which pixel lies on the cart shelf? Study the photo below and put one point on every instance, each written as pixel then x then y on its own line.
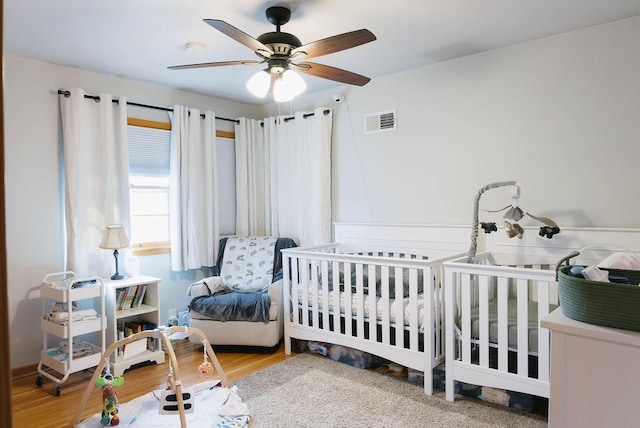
pixel 66 291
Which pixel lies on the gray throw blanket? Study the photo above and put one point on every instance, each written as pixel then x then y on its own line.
pixel 233 306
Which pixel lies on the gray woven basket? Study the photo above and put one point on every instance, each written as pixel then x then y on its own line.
pixel 602 303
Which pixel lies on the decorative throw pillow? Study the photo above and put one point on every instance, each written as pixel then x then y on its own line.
pixel 248 263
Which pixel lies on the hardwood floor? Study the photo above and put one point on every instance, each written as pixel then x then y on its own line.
pixel 34 406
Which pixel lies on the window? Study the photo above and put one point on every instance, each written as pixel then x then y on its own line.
pixel 149 208
pixel 149 157
pixel 149 148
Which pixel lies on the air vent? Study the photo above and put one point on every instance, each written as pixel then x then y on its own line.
pixel 382 121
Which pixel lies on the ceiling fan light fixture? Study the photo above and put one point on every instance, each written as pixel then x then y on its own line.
pixel 259 83
pixel 288 86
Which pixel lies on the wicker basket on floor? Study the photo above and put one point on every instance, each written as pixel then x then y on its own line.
pixel 601 303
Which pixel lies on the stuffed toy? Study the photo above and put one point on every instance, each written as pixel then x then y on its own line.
pixel 109 398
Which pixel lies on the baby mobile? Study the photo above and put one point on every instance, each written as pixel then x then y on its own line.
pixel 513 214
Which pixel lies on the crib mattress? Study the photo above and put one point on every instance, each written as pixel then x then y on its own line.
pixel 394 306
pixel 512 321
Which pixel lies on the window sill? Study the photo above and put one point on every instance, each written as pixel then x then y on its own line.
pixel 151 248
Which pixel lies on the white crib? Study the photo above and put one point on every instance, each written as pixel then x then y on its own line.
pixel 494 307
pixel 331 297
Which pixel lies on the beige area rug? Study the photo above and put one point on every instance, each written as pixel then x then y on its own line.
pixel 313 391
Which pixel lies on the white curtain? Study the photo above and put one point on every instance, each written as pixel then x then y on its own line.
pixel 194 190
pixel 253 195
pixel 96 178
pixel 297 157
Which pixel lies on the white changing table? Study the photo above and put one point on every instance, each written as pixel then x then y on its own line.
pixel 595 374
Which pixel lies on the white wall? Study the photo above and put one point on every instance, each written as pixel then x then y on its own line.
pixel 33 184
pixel 560 115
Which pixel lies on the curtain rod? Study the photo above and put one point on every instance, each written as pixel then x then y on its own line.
pixel 306 115
pixel 115 100
pixel 67 94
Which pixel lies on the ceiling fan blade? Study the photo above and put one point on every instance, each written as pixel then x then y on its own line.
pixel 336 43
pixel 239 36
pixel 214 64
pixel 332 73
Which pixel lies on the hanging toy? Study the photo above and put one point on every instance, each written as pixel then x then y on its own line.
pixel 514 213
pixel 513 230
pixel 169 398
pixel 107 382
pixel 488 227
pixel 205 370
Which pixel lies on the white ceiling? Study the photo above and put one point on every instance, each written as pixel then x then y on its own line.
pixel 138 39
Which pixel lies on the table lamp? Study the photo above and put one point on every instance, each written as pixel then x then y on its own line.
pixel 115 237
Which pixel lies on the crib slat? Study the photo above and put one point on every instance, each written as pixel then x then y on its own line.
pixel 503 324
pixel 336 297
pixel 465 301
pixel 314 292
pixel 432 278
pixel 383 305
pixel 371 301
pixel 295 278
pixel 399 307
pixel 483 295
pixel 450 308
pixel 533 286
pixel 324 266
pixel 348 310
pixel 360 300
pixel 413 308
pixel 523 327
pixel 304 268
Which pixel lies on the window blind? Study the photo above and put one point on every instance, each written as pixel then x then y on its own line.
pixel 149 150
pixel 226 185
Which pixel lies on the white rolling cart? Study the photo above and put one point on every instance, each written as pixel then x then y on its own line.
pixel 65 289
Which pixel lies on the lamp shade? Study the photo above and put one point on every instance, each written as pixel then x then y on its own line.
pixel 288 86
pixel 115 237
pixel 259 83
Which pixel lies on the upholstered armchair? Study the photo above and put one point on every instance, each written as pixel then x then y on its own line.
pixel 242 305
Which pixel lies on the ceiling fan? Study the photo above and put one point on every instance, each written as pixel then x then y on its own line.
pixel 279 50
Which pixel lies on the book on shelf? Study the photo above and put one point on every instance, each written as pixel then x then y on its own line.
pixel 129 299
pixel 119 295
pixel 131 327
pixel 120 336
pixel 147 325
pixel 134 296
pixel 140 295
pixel 152 342
pixel 124 297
